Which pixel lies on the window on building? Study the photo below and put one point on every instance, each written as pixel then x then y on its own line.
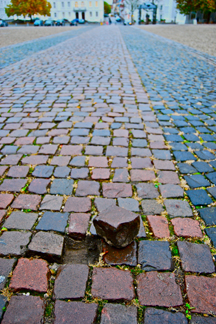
pixel 96 3
pixel 54 5
pixel 69 14
pixel 63 14
pixel 90 13
pixel 62 4
pixel 68 4
pixel 96 14
pixel 90 3
pixel 55 15
pixel 161 7
pixel 76 4
pixel 82 4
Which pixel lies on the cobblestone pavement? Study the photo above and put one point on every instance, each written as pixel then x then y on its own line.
pixel 110 117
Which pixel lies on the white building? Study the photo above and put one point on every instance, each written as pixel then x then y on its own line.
pixel 92 11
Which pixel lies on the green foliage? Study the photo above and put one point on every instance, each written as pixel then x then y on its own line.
pixel 107 8
pixel 28 8
pixel 187 6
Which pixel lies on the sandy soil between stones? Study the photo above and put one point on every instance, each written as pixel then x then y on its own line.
pixel 200 37
pixel 14 35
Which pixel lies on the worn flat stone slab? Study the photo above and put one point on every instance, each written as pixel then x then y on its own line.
pixel 51 202
pixel 5 200
pixel 87 188
pixel 147 190
pixel 52 221
pixel 158 289
pixel 6 266
pixel 117 226
pixel 151 207
pixel 47 244
pixel 154 255
pixel 118 314
pixel 211 232
pixel 196 319
pixel 199 197
pixel 77 205
pixel 115 190
pixel 177 208
pixel 21 220
pixel 61 187
pixel 196 257
pixel 27 202
pixel 159 226
pixel 201 293
pixel 112 284
pixel 71 281
pixel 78 225
pixel 208 215
pixel 14 243
pixel 129 204
pixel 186 227
pixel 3 301
pixel 159 316
pixel 38 186
pixel 126 255
pixel 73 312
pixel 43 171
pixel 171 191
pixel 24 310
pixel 30 275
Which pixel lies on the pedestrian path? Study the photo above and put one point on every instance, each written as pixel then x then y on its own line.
pixel 110 117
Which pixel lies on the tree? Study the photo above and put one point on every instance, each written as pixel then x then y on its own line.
pixel 107 8
pixel 132 5
pixel 187 6
pixel 28 8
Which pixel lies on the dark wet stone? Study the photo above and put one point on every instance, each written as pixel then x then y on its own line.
pixel 159 316
pixel 51 221
pixel 199 197
pixel 154 255
pixel 115 256
pixel 211 232
pixel 178 147
pixel 208 215
pixel 177 208
pixel 196 257
pixel 196 181
pixel 62 187
pixel 212 191
pixel 71 281
pixel 117 231
pixel 118 314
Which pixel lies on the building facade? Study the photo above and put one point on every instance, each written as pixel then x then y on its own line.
pixel 92 11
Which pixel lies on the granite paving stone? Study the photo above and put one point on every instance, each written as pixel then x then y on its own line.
pixel 118 314
pixel 177 208
pixel 61 187
pixel 103 203
pixel 30 275
pixel 199 197
pixel 51 202
pixel 43 171
pixel 26 201
pixel 24 309
pixel 154 256
pixel 53 221
pixel 123 256
pixel 159 226
pixel 78 225
pixel 195 257
pixel 186 227
pixel 14 243
pixel 171 191
pixel 70 312
pixel 38 186
pixel 5 200
pixel 6 266
pixel 211 232
pixel 158 289
pixel 86 188
pixel 18 171
pixel 147 190
pixel 115 190
pixel 201 293
pixel 21 220
pixel 77 205
pixel 157 316
pixel 71 281
pixel 196 319
pixel 112 284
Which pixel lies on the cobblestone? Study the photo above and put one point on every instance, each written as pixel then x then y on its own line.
pixel 82 135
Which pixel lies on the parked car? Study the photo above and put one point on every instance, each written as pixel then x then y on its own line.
pixel 81 21
pixel 74 22
pixel 60 22
pixel 49 22
pixel 38 22
pixel 3 23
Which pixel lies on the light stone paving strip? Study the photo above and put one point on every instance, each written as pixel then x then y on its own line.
pixel 78 129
